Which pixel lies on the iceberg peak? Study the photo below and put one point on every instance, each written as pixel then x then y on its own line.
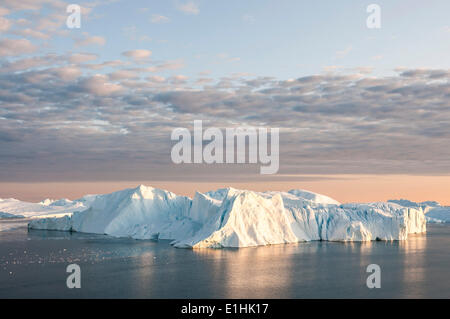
pixel 143 191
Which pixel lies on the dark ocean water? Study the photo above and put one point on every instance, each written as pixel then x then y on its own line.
pixel 33 265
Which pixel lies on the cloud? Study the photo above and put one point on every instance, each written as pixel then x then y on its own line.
pixel 123 74
pixel 14 47
pixel 119 122
pixel 28 63
pixel 426 73
pixel 331 68
pixel 189 8
pixel 99 85
pixel 362 70
pixel 90 40
pixel 157 18
pixel 178 79
pixel 51 22
pixel 51 59
pixel 43 20
pixel 344 121
pixel 166 66
pixel 139 54
pixel 68 73
pixel 156 78
pixel 5 24
pixel 227 57
pixel 22 5
pixel 27 32
pixel 34 5
pixel 82 57
pixel 8 137
pixel 106 64
pixel 343 53
pixel 203 81
pixel 4 11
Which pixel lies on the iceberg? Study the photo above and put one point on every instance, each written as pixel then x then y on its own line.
pixel 237 218
pixel 8 215
pixel 21 209
pixel 434 212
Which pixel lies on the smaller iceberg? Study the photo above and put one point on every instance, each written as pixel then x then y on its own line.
pixel 434 212
pixel 8 215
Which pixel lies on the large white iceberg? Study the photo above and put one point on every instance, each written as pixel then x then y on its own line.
pixel 237 218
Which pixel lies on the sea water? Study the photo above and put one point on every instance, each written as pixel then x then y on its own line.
pixel 33 265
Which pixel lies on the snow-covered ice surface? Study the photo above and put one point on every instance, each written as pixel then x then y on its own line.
pixel 236 218
pixel 12 211
pixel 434 212
pixel 15 208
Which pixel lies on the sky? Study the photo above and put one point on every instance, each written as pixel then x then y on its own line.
pixel 97 104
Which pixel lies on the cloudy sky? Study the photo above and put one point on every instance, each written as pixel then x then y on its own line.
pixel 98 103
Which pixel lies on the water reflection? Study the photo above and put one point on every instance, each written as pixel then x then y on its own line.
pixel 256 271
pixel 414 273
pixel 290 271
pixel 319 269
